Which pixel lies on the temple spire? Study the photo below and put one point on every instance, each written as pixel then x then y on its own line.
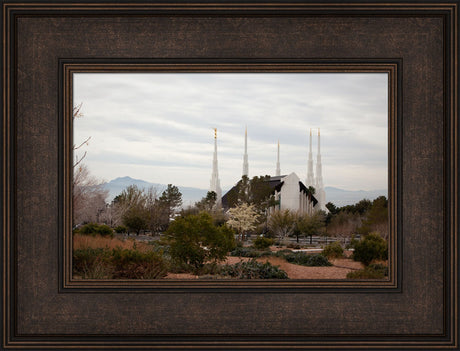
pixel 320 194
pixel 319 176
pixel 245 157
pixel 310 176
pixel 215 182
pixel 278 169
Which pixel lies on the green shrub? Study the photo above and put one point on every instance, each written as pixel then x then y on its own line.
pixel 373 271
pixel 352 243
pixel 210 269
pixel 241 251
pixel 253 270
pixel 282 253
pixel 379 267
pixel 94 228
pixel 303 259
pixel 105 230
pixel 133 264
pixel 91 263
pixel 117 264
pixel 372 247
pixel 121 229
pixel 262 243
pixel 333 250
pixel 249 252
pixel 160 247
pixel 194 239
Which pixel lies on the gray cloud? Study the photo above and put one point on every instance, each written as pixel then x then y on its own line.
pixel 158 127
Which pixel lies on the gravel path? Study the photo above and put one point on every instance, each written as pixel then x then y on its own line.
pixel 294 271
pixel 339 269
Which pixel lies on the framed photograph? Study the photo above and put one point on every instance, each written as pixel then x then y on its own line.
pixel 135 89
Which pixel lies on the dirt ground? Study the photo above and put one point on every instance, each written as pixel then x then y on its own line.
pixel 339 269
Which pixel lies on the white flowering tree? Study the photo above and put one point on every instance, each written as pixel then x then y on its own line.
pixel 243 218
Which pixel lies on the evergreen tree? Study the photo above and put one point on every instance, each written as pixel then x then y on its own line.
pixel 208 202
pixel 171 199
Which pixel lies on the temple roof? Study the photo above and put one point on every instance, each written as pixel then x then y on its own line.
pixel 276 183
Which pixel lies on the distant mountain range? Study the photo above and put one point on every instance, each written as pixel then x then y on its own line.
pixel 116 186
pixel 340 197
pixel 190 195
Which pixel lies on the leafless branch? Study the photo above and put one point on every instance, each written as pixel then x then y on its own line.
pixel 77 111
pixel 77 114
pixel 83 143
pixel 78 161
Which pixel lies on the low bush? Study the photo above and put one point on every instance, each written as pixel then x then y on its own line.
pixel 249 252
pixel 121 229
pixel 262 243
pixel 104 263
pixel 94 229
pixel 372 247
pixel 379 267
pixel 253 270
pixel 194 240
pixel 282 253
pixel 294 246
pixel 241 251
pixel 132 264
pixel 160 248
pixel 210 269
pixel 352 243
pixel 92 263
pixel 333 250
pixel 373 271
pixel 303 259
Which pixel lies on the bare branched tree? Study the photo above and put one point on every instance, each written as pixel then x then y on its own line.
pixel 77 113
pixel 344 224
pixel 282 223
pixel 88 194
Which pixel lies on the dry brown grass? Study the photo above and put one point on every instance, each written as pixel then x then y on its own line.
pixel 95 242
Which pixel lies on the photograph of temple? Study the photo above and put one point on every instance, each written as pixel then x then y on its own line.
pixel 229 176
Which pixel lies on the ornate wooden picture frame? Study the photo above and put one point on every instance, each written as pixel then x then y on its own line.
pixel 415 43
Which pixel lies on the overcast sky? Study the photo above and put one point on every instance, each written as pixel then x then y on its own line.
pixel 159 127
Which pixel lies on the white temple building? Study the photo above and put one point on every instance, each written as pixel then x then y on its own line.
pixel 289 191
pixel 291 194
pixel 215 181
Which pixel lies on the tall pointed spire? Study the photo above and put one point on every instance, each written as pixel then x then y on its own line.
pixel 245 157
pixel 278 169
pixel 320 194
pixel 215 182
pixel 310 176
pixel 319 176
